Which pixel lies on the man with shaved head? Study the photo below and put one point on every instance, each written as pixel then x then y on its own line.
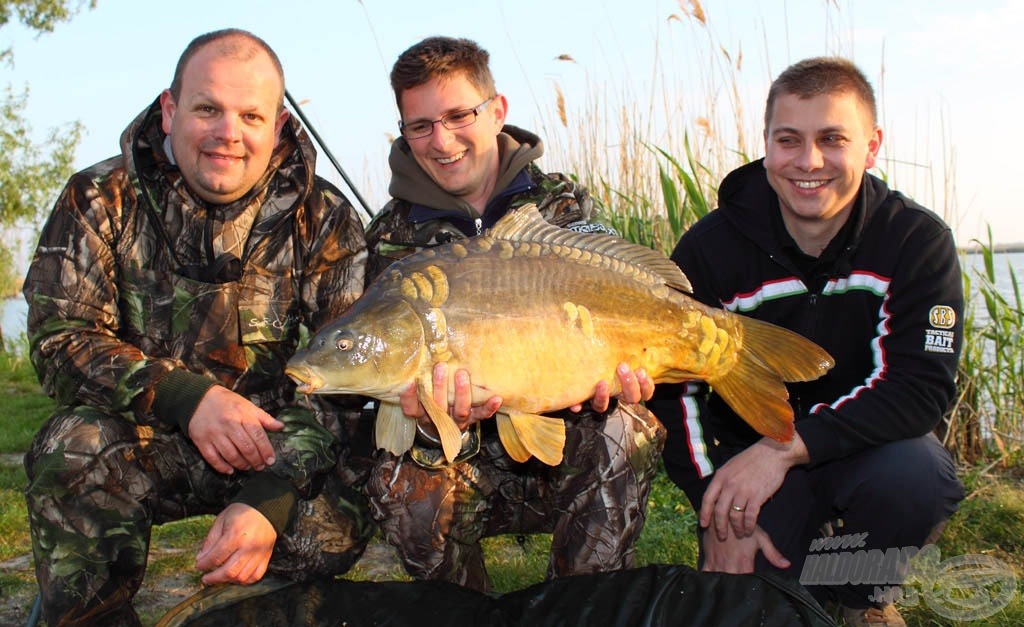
pixel 166 294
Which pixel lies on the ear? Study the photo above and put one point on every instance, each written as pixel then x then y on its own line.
pixel 167 109
pixel 279 124
pixel 499 109
pixel 874 145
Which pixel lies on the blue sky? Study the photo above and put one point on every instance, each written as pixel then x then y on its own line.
pixel 947 72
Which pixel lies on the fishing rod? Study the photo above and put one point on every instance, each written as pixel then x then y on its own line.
pixel 330 157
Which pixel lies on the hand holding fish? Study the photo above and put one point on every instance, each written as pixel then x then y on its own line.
pixel 636 387
pixel 230 432
pixel 462 410
pixel 742 485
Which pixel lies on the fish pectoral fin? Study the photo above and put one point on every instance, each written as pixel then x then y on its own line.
pixel 510 439
pixel 395 432
pixel 451 437
pixel 542 436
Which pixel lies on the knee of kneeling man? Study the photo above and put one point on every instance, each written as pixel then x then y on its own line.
pixel 72 440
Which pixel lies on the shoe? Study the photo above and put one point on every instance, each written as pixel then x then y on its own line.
pixel 886 616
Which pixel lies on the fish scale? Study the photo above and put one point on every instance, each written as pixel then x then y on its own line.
pixel 501 304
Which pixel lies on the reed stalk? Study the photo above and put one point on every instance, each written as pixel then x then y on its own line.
pixel 654 169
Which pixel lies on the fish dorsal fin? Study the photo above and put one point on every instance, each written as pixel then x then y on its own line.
pixel 526 224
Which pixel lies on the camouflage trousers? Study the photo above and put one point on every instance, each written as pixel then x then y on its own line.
pixel 97 485
pixel 594 503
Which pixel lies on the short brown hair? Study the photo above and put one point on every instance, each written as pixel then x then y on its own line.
pixel 818 76
pixel 230 46
pixel 442 57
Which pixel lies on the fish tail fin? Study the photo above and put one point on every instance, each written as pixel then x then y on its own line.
pixel 394 431
pixel 791 355
pixel 451 437
pixel 755 386
pixel 524 434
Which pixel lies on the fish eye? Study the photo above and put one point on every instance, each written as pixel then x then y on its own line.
pixel 344 343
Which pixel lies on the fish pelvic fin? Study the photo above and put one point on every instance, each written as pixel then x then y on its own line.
pixel 542 436
pixel 394 431
pixel 510 439
pixel 755 386
pixel 451 437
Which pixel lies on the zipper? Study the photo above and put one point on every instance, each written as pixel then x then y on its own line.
pixel 479 223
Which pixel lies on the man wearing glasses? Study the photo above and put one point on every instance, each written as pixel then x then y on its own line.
pixel 456 170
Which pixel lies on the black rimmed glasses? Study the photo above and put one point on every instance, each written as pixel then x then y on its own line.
pixel 451 121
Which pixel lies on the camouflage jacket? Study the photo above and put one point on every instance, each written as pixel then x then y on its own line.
pixel 141 295
pixel 403 226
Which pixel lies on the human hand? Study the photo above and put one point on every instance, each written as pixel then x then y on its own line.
pixel 238 546
pixel 743 484
pixel 230 432
pixel 736 555
pixel 462 411
pixel 636 387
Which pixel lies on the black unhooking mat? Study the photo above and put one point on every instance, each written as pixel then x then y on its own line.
pixel 657 595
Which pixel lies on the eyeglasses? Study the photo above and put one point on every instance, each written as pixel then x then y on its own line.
pixel 451 121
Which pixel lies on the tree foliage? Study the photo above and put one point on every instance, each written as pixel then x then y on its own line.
pixel 39 15
pixel 31 172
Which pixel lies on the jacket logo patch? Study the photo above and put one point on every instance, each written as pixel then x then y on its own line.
pixel 939 339
pixel 942 317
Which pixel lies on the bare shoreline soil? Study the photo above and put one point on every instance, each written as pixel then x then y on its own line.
pixel 161 592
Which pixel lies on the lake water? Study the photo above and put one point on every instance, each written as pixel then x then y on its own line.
pixel 1001 263
pixel 15 310
pixel 14 319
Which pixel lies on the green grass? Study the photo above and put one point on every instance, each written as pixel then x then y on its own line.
pixel 24 407
pixel 13 518
pixel 990 522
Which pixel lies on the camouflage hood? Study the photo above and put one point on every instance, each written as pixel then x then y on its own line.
pixel 145 151
pixel 280 255
pixel 517 149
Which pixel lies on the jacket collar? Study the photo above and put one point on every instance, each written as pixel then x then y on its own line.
pixel 409 182
pixel 522 182
pixel 144 148
pixel 742 199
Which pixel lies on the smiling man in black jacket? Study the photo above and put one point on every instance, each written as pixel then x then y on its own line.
pixel 807 240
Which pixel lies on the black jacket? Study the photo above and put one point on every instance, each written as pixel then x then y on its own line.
pixel 885 299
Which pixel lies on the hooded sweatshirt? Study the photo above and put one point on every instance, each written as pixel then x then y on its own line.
pixel 421 214
pixel 885 299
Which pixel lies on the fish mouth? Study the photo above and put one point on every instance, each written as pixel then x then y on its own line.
pixel 306 382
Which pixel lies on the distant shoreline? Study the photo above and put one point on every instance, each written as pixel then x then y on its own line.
pixel 974 249
pixel 996 248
